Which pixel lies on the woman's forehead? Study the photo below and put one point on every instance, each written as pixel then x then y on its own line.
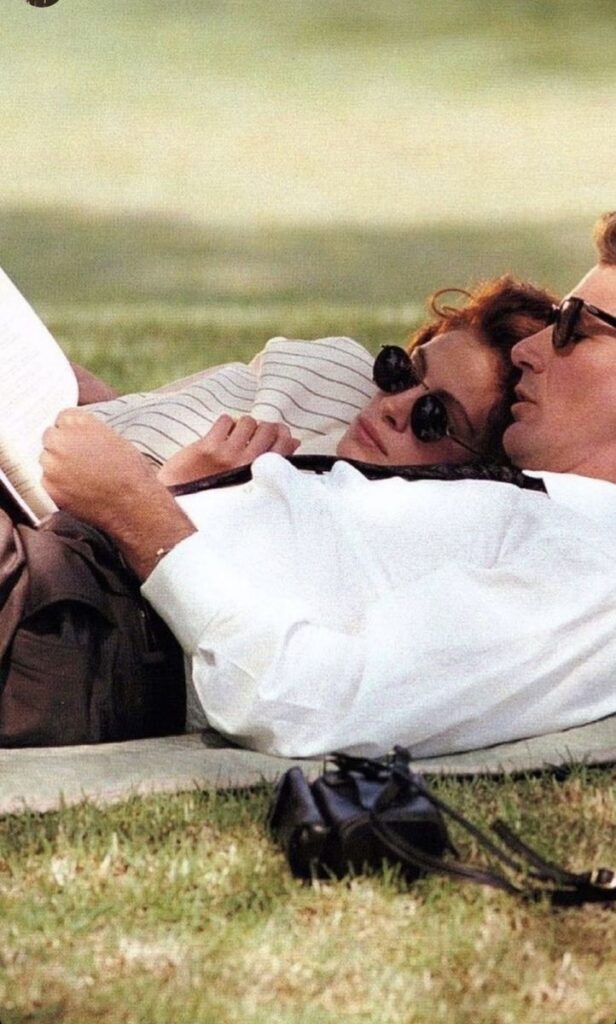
pixel 461 346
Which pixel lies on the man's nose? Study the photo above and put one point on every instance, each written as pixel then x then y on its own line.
pixel 533 352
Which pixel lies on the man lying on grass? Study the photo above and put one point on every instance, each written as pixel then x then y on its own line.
pixel 449 400
pixel 334 612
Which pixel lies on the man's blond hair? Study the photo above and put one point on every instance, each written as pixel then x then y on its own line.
pixel 604 237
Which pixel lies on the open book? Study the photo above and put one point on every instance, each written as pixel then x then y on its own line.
pixel 37 382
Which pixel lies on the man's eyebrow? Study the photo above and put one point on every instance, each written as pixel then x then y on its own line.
pixel 422 359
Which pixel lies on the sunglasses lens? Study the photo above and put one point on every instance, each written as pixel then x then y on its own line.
pixel 565 322
pixel 393 370
pixel 429 420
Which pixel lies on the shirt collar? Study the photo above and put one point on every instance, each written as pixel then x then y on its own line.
pixel 593 498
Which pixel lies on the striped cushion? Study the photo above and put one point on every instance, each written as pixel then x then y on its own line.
pixel 315 387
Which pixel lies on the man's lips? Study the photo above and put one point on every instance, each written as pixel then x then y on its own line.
pixel 366 435
pixel 522 395
pixel 522 398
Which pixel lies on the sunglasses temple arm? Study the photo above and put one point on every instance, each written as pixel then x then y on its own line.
pixel 463 444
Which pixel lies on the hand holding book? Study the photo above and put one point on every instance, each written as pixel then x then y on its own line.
pixel 127 500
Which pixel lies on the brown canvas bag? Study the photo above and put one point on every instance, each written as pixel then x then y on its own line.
pixel 83 659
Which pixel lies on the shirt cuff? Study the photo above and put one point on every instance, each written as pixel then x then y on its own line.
pixel 189 588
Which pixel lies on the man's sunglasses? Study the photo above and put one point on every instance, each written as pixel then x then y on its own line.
pixel 393 371
pixel 565 319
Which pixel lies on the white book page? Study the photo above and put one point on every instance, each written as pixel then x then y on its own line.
pixel 37 382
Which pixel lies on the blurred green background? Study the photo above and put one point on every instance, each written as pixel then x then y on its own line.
pixel 219 171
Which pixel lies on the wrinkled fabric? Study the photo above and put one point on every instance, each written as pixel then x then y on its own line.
pixel 337 613
pixel 82 659
pixel 13 581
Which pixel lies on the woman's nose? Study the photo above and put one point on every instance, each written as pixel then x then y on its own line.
pixel 395 409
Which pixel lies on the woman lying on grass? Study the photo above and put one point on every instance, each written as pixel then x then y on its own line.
pixel 446 400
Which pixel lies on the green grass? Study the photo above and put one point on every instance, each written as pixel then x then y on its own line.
pixel 181 909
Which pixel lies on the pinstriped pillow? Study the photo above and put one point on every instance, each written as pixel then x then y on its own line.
pixel 315 387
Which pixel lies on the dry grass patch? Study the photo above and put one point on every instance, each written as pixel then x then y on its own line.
pixel 179 908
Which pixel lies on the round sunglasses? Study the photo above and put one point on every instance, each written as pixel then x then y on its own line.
pixel 565 319
pixel 393 371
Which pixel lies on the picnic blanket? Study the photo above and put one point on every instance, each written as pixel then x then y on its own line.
pixel 44 779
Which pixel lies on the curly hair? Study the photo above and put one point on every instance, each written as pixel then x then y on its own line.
pixel 502 312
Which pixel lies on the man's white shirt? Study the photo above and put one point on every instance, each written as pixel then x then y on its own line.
pixel 330 612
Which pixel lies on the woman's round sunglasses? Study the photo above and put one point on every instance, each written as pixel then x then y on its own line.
pixel 393 371
pixel 565 319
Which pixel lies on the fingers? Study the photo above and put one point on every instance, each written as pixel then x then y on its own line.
pixel 75 449
pixel 73 426
pixel 67 420
pixel 246 438
pixel 247 432
pixel 285 444
pixel 227 445
pixel 220 430
pixel 236 435
pixel 47 438
pixel 270 437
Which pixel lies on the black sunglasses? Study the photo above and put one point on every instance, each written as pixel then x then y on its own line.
pixel 393 371
pixel 566 317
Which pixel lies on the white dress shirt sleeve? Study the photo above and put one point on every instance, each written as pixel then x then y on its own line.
pixel 265 674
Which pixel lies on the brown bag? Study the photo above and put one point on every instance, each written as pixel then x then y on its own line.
pixel 83 659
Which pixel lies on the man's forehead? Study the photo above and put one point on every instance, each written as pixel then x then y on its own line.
pixel 598 287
